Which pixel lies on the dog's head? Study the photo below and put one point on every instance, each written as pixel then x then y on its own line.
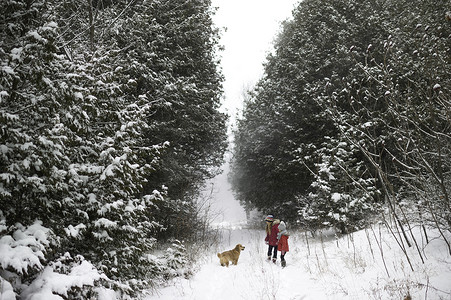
pixel 239 247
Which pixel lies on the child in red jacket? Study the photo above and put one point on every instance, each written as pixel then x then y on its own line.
pixel 282 245
pixel 272 229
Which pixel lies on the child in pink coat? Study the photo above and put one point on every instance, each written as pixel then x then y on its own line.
pixel 282 245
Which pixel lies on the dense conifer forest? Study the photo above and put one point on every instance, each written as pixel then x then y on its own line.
pixel 109 128
pixel 110 125
pixel 350 123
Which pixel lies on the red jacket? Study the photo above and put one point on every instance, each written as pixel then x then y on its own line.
pixel 272 238
pixel 283 244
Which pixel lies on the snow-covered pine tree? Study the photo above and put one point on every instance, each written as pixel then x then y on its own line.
pixel 72 148
pixel 364 75
pixel 289 105
pixel 186 103
pixel 33 162
pixel 406 83
pixel 78 90
pixel 343 193
pixel 35 187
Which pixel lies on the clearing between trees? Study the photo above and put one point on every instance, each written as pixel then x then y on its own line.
pixel 368 264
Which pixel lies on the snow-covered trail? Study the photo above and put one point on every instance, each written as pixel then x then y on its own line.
pixel 253 278
pixel 367 264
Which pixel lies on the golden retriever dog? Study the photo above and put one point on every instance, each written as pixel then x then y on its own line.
pixel 231 255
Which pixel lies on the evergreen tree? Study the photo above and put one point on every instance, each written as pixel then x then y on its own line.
pixel 405 92
pixel 341 196
pixel 185 108
pixel 311 53
pixel 81 91
pixel 367 77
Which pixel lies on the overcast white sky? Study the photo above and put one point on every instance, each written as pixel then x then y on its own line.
pixel 251 26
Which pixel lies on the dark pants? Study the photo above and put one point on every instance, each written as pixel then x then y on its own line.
pixel 270 248
pixel 282 255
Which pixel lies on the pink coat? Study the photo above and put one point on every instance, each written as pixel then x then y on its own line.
pixel 283 244
pixel 272 238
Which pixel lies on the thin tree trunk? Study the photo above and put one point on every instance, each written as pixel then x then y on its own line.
pixel 91 25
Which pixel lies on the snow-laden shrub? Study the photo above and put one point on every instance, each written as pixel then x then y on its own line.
pixel 66 278
pixel 26 273
pixel 172 263
pixel 6 289
pixel 175 260
pixel 23 251
pixel 87 128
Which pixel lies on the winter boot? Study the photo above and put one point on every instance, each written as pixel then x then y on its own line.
pixel 274 260
pixel 269 257
pixel 284 263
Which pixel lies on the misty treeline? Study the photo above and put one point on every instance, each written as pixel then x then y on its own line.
pixel 109 128
pixel 351 122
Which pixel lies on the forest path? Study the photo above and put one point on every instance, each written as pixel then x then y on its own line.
pixel 253 278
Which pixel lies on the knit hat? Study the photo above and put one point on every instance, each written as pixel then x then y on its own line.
pixel 282 230
pixel 282 226
pixel 269 218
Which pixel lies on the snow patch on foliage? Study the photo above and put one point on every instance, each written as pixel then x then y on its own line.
pixel 336 197
pixel 25 249
pixel 36 36
pixel 7 70
pixel 74 231
pixel 103 222
pixel 53 285
pixel 16 54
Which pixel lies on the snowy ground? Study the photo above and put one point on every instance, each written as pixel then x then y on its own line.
pixel 325 267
